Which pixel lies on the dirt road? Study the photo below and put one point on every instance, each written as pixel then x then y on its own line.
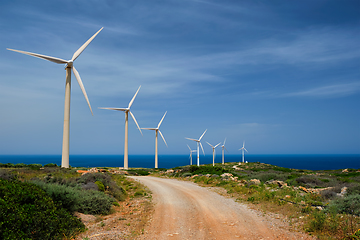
pixel 184 210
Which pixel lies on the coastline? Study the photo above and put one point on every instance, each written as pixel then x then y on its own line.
pixel 298 161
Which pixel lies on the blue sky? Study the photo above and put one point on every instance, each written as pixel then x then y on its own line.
pixel 281 75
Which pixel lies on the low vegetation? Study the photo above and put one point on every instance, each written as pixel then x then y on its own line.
pixel 27 212
pixel 39 202
pixel 323 203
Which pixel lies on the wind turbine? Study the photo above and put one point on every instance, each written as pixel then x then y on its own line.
pixel 127 110
pixel 198 143
pixel 243 148
pixel 223 153
pixel 213 148
pixel 69 66
pixel 191 151
pixel 156 139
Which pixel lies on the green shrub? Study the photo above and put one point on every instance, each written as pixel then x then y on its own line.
pixel 107 180
pixel 354 189
pixel 140 172
pixel 139 193
pixel 318 221
pixel 4 174
pixel 310 181
pixel 282 169
pixel 186 175
pixel 90 186
pixel 349 204
pixel 266 176
pixel 207 170
pixel 34 166
pixel 20 165
pixel 51 165
pixel 76 199
pixel 100 186
pixel 27 212
pixel 7 165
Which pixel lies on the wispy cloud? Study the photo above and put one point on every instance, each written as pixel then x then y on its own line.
pixel 331 91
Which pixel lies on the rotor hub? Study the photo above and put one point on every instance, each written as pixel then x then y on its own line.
pixel 69 64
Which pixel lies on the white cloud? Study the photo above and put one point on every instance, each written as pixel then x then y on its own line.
pixel 337 90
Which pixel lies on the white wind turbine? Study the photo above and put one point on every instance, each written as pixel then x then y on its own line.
pixel 243 148
pixel 198 143
pixel 191 151
pixel 156 139
pixel 213 148
pixel 223 153
pixel 127 110
pixel 69 66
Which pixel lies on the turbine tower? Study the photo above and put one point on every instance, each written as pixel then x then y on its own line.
pixel 156 139
pixel 127 110
pixel 69 66
pixel 198 143
pixel 243 148
pixel 191 151
pixel 223 153
pixel 213 148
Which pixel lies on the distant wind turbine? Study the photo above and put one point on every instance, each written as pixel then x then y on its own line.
pixel 213 148
pixel 223 153
pixel 69 66
pixel 156 139
pixel 191 151
pixel 243 148
pixel 127 110
pixel 198 143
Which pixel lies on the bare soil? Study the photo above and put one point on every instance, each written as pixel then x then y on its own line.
pixel 184 210
pixel 126 222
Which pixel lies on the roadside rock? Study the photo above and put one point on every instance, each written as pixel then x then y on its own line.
pixel 226 175
pixel 343 192
pixel 281 184
pixel 255 181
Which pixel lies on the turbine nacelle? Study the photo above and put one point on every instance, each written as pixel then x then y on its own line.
pixel 157 129
pixel 69 64
pixel 127 110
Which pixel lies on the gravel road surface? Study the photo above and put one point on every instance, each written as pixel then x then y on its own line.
pixel 184 210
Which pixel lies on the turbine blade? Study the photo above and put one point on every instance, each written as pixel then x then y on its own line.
pixel 132 100
pixel 149 128
pixel 210 144
pixel 82 87
pixel 51 59
pixel 192 139
pixel 202 148
pixel 224 141
pixel 117 109
pixel 161 120
pixel 245 150
pixel 202 135
pixel 217 144
pixel 82 48
pixel 244 144
pixel 132 115
pixel 226 149
pixel 189 148
pixel 163 138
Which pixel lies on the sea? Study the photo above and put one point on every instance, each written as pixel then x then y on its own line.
pixel 303 161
